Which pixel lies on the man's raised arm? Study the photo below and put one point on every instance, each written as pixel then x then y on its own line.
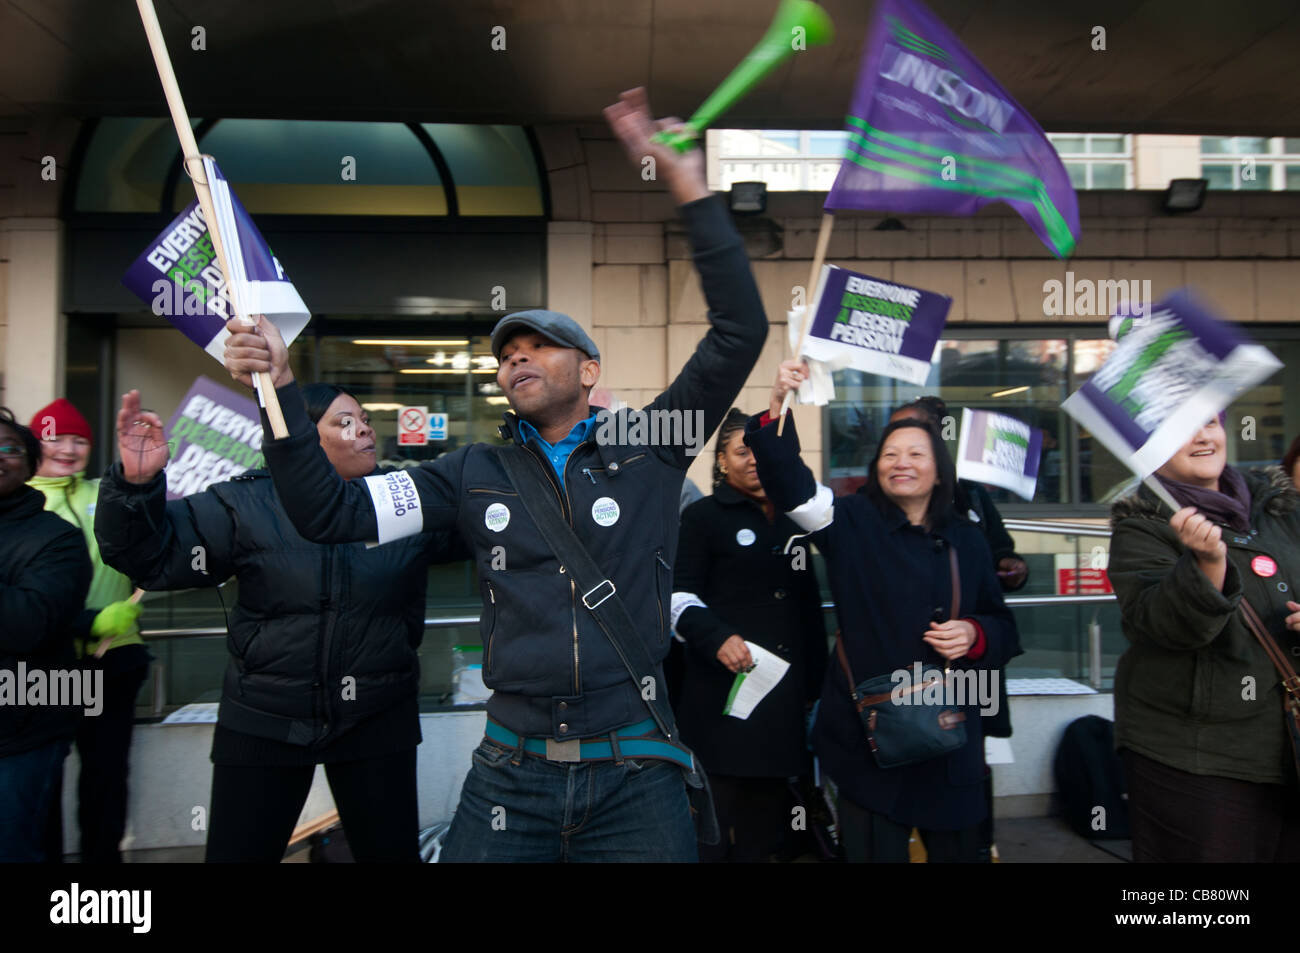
pixel 715 373
pixel 323 506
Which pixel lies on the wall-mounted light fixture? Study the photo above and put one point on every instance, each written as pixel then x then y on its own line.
pixel 748 198
pixel 1185 195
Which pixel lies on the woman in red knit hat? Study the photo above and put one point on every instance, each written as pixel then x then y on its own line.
pixel 108 638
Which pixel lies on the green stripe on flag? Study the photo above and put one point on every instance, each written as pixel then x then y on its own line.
pixel 1008 436
pixel 984 174
pixel 896 140
pixel 918 42
pixel 915 47
pixel 989 178
pixel 1059 235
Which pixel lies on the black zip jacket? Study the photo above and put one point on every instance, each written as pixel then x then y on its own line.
pixel 321 637
pixel 551 667
pixel 44 578
pixel 733 561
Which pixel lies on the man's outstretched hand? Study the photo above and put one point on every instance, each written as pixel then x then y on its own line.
pixel 683 172
pixel 252 349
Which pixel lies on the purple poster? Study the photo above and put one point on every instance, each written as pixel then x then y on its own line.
pixel 180 277
pixel 214 435
pixel 932 133
pixel 1168 375
pixel 874 325
pixel 1000 451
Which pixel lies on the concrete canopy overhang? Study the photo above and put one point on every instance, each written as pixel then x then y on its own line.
pixel 1170 66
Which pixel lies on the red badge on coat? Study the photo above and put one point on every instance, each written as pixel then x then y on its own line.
pixel 1263 566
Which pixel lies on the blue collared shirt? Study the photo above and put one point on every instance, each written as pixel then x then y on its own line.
pixel 559 453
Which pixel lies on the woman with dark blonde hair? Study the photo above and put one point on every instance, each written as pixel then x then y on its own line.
pixel 1198 703
pixel 1291 459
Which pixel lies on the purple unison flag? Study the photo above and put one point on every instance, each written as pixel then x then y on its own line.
pixel 1169 374
pixel 214 435
pixel 179 276
pixel 874 325
pixel 931 132
pixel 999 450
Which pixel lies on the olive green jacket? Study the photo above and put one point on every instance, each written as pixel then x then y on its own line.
pixel 1195 690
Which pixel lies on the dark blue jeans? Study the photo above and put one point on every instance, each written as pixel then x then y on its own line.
pixel 28 782
pixel 545 812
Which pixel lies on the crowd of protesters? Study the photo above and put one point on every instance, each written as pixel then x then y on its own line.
pixel 582 750
pixel 1210 773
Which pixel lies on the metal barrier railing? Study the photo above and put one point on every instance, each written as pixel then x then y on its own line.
pixel 1055 527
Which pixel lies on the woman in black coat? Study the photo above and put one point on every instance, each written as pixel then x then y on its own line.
pixel 44 577
pixel 887 555
pixel 323 638
pixel 734 583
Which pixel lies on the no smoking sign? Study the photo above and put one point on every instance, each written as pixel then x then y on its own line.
pixel 413 426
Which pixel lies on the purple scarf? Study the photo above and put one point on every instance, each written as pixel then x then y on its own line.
pixel 1229 505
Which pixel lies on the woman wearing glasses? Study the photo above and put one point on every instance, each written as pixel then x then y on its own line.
pixel 44 575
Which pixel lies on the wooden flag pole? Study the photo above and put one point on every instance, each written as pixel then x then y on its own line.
pixel 194 168
pixel 1158 488
pixel 819 256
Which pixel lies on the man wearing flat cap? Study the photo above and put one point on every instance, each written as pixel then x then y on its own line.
pixel 577 763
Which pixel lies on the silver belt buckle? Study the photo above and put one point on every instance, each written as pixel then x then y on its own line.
pixel 563 750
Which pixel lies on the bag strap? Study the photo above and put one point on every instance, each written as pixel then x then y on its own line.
pixel 956 583
pixel 844 664
pixel 1290 681
pixel 956 608
pixel 597 591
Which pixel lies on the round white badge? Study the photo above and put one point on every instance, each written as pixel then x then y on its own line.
pixel 746 537
pixel 497 517
pixel 605 511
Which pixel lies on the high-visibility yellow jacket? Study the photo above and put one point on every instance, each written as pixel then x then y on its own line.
pixel 74 499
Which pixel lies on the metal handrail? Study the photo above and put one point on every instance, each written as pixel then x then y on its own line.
pixel 1063 528
pixel 444 622
pixel 1068 600
pixel 447 622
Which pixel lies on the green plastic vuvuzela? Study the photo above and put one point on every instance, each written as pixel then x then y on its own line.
pixel 798 25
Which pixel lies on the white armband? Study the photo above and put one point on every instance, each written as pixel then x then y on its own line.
pixel 681 602
pixel 397 505
pixel 817 512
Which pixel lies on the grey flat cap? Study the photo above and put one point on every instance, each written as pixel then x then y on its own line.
pixel 560 328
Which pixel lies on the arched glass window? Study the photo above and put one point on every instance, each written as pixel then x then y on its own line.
pixel 291 167
pixel 125 165
pixel 494 168
pixel 309 167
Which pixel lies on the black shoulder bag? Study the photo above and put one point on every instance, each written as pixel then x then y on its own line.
pixel 602 601
pixel 901 729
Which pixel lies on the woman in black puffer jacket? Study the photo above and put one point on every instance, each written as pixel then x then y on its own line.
pixel 44 577
pixel 323 638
